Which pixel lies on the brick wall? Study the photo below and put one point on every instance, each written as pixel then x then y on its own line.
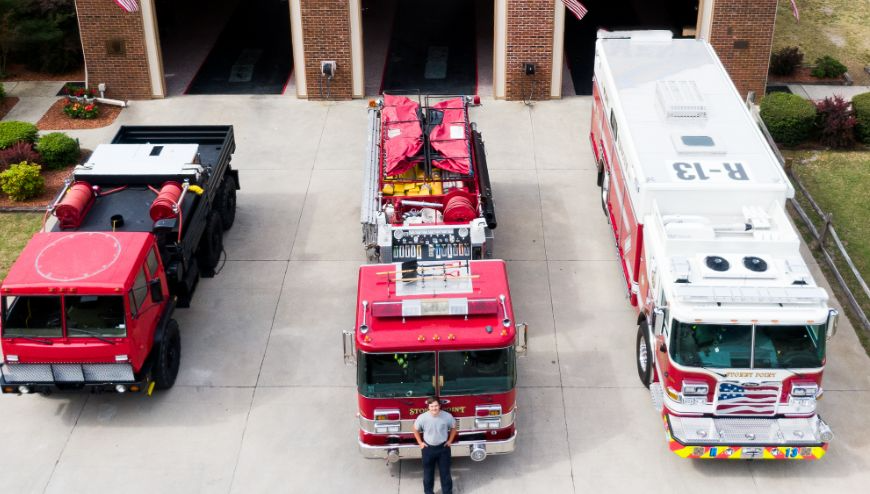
pixel 529 39
pixel 103 23
pixel 742 33
pixel 326 36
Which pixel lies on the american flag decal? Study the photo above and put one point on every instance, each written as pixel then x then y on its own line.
pixel 576 8
pixel 747 399
pixel 128 5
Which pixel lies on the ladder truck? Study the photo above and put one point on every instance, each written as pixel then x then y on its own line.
pixel 732 327
pixel 89 305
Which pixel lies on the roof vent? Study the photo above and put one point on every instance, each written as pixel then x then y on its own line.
pixel 717 263
pixel 755 264
pixel 681 100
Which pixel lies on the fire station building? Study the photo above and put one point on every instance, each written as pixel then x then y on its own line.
pixel 342 49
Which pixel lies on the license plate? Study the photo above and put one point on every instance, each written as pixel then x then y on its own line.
pixel 752 452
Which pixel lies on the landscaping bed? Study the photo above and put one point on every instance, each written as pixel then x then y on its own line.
pixel 6 104
pixel 56 119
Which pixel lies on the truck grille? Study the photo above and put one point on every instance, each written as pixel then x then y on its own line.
pixel 67 373
pixel 735 398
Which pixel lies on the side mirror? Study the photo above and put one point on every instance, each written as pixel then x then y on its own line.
pixel 156 290
pixel 348 346
pixel 658 321
pixel 522 339
pixel 833 319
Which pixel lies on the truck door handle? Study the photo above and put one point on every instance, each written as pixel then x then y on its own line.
pixel 440 382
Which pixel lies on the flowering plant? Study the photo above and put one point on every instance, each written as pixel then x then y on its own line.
pixel 78 92
pixel 79 109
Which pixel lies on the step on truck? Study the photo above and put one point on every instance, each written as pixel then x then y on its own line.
pixel 426 189
pixel 732 327
pixel 89 304
pixel 442 329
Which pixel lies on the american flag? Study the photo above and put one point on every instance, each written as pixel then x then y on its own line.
pixel 576 7
pixel 794 10
pixel 737 399
pixel 128 5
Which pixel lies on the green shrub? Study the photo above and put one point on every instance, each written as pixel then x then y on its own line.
pixel 828 67
pixel 786 60
pixel 13 131
pixel 861 106
pixel 58 150
pixel 22 181
pixel 789 118
pixel 2 92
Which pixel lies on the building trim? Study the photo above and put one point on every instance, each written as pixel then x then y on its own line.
pixel 152 49
pixel 499 50
pixel 558 49
pixel 357 52
pixel 705 19
pixel 298 48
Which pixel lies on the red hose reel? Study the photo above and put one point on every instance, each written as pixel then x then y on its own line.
pixel 166 205
pixel 75 205
pixel 459 207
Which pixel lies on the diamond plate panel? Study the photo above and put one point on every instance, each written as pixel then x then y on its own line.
pixel 107 372
pixel 21 373
pixel 67 373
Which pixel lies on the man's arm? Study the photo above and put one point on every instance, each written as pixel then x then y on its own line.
pixel 418 438
pixel 453 432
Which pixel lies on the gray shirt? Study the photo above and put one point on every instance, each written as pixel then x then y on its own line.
pixel 435 428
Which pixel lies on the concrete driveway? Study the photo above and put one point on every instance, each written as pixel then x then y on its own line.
pixel 264 403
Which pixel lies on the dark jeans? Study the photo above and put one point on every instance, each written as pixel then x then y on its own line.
pixel 439 455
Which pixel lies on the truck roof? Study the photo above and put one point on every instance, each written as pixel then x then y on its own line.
pixel 439 306
pixel 746 261
pixel 675 106
pixel 92 262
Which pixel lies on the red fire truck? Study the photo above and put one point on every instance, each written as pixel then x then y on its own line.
pixel 89 305
pixel 435 328
pixel 426 190
pixel 732 327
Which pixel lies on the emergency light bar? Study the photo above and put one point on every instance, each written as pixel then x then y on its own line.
pixel 435 307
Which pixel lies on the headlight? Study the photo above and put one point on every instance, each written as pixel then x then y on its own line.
pixel 805 390
pixel 695 388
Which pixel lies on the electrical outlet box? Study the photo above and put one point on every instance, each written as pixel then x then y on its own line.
pixel 327 68
pixel 529 68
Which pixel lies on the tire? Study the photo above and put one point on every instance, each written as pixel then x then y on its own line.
pixel 600 179
pixel 210 245
pixel 645 356
pixel 168 357
pixel 605 190
pixel 227 201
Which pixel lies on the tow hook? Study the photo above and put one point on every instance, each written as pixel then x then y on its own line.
pixel 392 455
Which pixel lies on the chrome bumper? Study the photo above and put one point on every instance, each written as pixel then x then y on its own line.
pixel 748 438
pixel 459 448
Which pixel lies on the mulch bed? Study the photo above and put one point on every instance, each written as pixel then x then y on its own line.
pixel 802 75
pixel 19 72
pixel 56 119
pixel 6 104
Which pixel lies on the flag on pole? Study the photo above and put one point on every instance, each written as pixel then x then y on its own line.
pixel 794 10
pixel 578 9
pixel 128 5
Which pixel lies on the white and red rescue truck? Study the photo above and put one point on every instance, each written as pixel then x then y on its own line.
pixel 426 191
pixel 88 306
pixel 732 327
pixel 435 328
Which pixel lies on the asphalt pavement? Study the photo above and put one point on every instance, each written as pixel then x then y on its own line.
pixel 263 401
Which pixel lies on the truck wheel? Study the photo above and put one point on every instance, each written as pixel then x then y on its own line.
pixel 211 245
pixel 168 357
pixel 227 201
pixel 605 190
pixel 600 179
pixel 644 355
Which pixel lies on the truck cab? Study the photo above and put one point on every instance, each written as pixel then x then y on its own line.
pixel 88 310
pixel 435 329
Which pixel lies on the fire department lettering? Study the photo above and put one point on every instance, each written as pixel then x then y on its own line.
pixel 418 411
pixel 705 171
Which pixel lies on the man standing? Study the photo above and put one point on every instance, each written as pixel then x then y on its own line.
pixel 439 432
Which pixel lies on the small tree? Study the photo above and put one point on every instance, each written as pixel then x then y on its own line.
pixel 836 122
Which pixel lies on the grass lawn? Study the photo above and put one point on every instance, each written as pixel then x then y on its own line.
pixel 839 28
pixel 15 230
pixel 838 181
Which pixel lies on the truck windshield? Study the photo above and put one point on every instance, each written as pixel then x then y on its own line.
pixel 92 316
pixel 730 345
pixel 477 372
pixel 32 316
pixel 389 375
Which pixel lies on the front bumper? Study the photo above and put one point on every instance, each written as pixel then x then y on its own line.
pixel 459 448
pixel 48 378
pixel 715 438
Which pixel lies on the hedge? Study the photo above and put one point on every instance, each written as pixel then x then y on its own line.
pixel 861 106
pixel 789 118
pixel 13 131
pixel 58 150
